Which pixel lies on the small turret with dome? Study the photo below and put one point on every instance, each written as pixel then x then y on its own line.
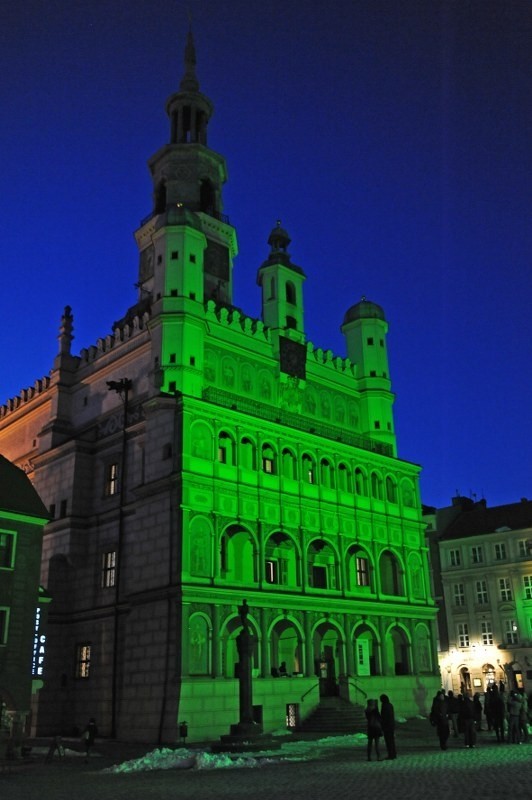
pixel 282 286
pixel 365 328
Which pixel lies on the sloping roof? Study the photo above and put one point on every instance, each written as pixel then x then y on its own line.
pixel 17 494
pixel 481 520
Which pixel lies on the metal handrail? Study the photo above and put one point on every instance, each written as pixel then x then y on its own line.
pixel 358 689
pixel 316 686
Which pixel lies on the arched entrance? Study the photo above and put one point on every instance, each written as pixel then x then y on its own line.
pixel 465 681
pixel 328 658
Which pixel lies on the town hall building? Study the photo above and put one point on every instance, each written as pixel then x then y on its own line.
pixel 195 457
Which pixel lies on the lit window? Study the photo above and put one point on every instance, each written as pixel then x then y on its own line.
pixel 362 571
pixel 505 589
pixel 4 622
pixel 108 569
pixel 454 558
pixel 527 580
pixel 458 594
pixel 482 592
pixel 463 634
pixel 510 631
pixel 7 549
pixel 268 463
pixel 83 660
pixel 272 571
pixel 111 480
pixel 486 633
pixel 500 552
pixel 476 555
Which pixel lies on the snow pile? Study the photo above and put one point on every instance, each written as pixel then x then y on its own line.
pixel 161 758
pixel 184 758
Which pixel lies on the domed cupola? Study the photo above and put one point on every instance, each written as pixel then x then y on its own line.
pixel 364 309
pixel 282 285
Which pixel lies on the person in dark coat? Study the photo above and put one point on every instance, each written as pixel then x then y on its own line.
pixel 388 726
pixel 498 712
pixel 467 713
pixel 478 711
pixel 438 718
pixel 374 727
pixel 89 735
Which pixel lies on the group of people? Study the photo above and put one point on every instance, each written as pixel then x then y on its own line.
pixel 381 723
pixel 506 716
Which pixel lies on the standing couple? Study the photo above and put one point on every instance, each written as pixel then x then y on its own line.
pixel 381 724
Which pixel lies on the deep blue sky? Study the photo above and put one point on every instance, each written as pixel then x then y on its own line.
pixel 392 138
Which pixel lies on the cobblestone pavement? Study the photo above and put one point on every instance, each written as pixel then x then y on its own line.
pixel 491 771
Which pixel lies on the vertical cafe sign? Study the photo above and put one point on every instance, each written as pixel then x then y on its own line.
pixel 39 646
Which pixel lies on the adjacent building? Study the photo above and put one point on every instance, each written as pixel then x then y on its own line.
pixel 482 567
pixel 195 457
pixel 22 602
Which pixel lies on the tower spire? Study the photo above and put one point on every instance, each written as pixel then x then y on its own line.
pixel 189 81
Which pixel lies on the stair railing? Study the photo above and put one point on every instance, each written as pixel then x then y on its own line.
pixel 316 686
pixel 358 689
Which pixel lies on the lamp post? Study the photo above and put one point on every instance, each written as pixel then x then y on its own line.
pixel 122 388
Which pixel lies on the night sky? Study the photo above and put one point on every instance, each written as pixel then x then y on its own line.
pixel 392 138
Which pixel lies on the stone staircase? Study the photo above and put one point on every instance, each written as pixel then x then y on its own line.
pixel 333 715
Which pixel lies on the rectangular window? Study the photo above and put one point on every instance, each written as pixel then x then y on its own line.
pixel 362 571
pixel 292 715
pixel 525 546
pixel 83 660
pixel 482 592
pixel 486 632
pixel 454 558
pixel 7 550
pixel 458 594
pixel 476 555
pixel 500 552
pixel 267 465
pixel 4 624
pixel 505 589
pixel 63 508
pixel 319 576
pixel 527 581
pixel 510 631
pixel 111 480
pixel 108 569
pixel 463 634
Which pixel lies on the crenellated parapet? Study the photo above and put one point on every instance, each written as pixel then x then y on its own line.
pixel 122 333
pixel 14 403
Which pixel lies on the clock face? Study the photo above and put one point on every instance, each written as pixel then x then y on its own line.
pixel 293 357
pixel 146 264
pixel 216 261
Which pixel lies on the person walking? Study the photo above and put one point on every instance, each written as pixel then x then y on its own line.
pixel 467 712
pixel 438 718
pixel 514 712
pixel 374 728
pixel 388 726
pixel 453 707
pixel 523 716
pixel 89 735
pixel 498 712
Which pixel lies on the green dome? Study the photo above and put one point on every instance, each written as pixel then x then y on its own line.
pixel 365 309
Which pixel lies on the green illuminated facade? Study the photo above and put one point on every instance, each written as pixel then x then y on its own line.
pixel 228 458
pixel 22 602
